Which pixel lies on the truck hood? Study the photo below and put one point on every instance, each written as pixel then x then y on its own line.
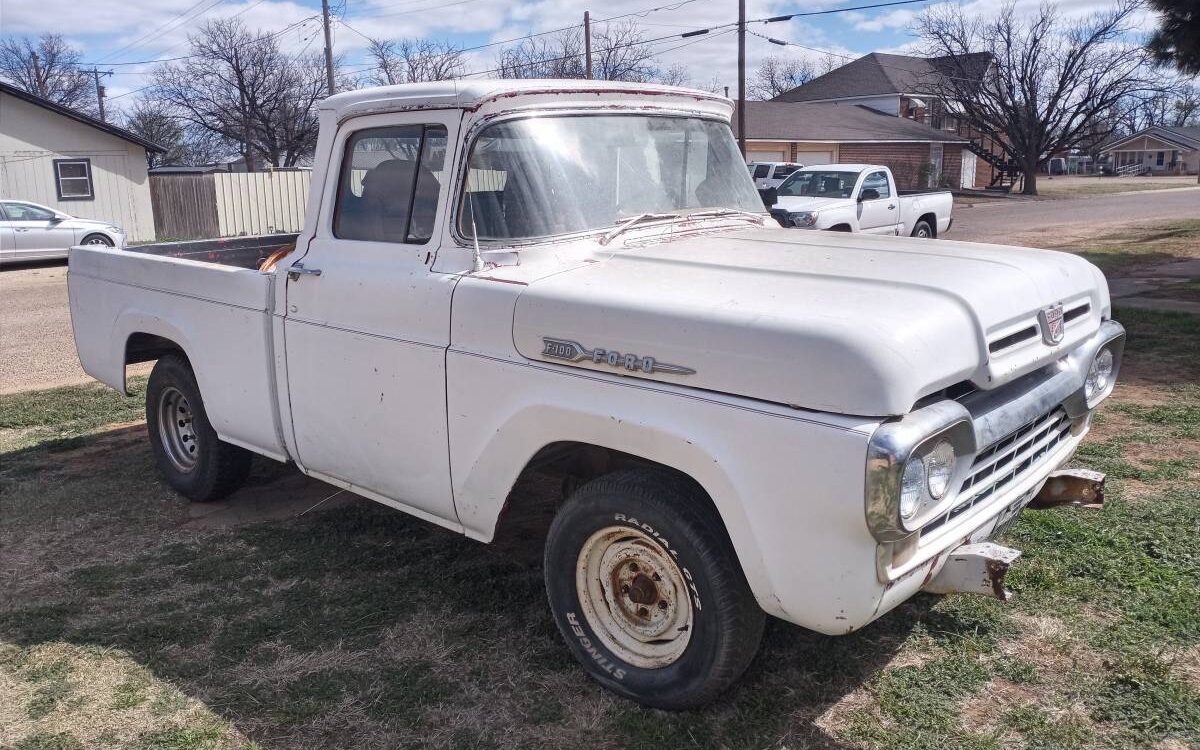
pixel 843 323
pixel 809 203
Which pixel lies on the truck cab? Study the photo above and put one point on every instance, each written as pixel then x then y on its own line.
pixel 499 278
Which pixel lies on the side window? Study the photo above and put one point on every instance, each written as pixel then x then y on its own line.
pixel 26 212
pixel 878 181
pixel 761 171
pixel 389 185
pixel 784 170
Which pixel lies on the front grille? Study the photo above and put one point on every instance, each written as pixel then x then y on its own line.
pixel 1006 461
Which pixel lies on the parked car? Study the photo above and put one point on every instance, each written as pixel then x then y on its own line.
pixel 770 174
pixel 577 279
pixel 859 198
pixel 29 231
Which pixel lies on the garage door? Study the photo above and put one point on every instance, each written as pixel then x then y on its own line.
pixel 764 156
pixel 808 158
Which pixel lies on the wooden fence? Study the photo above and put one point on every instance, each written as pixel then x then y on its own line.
pixel 185 206
pixel 228 204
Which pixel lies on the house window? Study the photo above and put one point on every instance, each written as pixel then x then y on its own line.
pixel 1159 160
pixel 73 179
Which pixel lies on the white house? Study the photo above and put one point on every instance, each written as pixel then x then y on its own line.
pixel 75 163
pixel 1158 150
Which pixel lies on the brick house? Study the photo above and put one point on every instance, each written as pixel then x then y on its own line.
pixel 900 86
pixel 830 133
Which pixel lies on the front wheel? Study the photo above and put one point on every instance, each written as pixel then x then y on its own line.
pixel 186 448
pixel 97 239
pixel 647 591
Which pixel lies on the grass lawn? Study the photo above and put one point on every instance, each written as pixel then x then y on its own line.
pixel 1069 187
pixel 1140 248
pixel 122 625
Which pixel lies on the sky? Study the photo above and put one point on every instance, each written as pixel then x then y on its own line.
pixel 120 35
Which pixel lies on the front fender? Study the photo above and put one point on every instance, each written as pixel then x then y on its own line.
pixel 787 483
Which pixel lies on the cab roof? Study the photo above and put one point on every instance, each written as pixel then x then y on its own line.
pixel 471 94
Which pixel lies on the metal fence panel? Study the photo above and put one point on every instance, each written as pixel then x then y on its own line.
pixel 260 202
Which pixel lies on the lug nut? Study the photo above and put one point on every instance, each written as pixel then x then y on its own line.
pixel 643 612
pixel 662 604
pixel 633 568
pixel 625 589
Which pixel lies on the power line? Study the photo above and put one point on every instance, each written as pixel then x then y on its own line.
pixel 174 23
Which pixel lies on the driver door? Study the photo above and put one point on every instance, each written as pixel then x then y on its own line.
pixel 367 322
pixel 879 215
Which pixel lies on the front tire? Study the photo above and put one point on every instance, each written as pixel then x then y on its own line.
pixel 647 590
pixel 97 239
pixel 187 451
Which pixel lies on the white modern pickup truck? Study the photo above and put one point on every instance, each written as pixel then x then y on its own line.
pixel 858 198
pixel 578 277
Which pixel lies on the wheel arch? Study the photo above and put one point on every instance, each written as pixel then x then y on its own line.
pixel 929 218
pixel 144 337
pixel 488 489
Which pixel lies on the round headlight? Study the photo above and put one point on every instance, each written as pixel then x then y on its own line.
pixel 1099 374
pixel 912 484
pixel 939 469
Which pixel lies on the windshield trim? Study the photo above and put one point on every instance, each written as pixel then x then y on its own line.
pixel 472 136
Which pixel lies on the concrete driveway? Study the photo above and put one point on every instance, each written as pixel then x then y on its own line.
pixel 38 351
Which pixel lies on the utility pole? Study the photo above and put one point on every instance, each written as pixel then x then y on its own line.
pixel 100 91
pixel 328 48
pixel 37 76
pixel 587 43
pixel 741 102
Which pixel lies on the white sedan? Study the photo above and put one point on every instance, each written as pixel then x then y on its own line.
pixel 29 231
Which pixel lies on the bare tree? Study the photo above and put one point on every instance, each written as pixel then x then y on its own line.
pixel 619 53
pixel 676 75
pixel 414 60
pixel 185 144
pixel 776 75
pixel 48 67
pixel 238 86
pixel 1049 84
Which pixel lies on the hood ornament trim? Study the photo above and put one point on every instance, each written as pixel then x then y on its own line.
pixel 1053 326
pixel 573 351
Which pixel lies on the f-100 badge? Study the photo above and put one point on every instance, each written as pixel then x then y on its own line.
pixel 573 351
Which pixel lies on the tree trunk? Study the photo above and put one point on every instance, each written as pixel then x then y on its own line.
pixel 1029 177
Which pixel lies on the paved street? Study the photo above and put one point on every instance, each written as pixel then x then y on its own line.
pixel 37 350
pixel 1048 222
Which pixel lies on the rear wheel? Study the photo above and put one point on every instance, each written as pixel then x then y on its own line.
pixel 97 239
pixel 647 591
pixel 922 230
pixel 186 448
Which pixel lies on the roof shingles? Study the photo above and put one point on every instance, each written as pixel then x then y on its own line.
pixel 835 123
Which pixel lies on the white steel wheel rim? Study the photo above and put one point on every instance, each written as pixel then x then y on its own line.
pixel 176 429
pixel 635 597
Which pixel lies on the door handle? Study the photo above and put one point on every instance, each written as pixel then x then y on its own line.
pixel 891 206
pixel 21 229
pixel 296 270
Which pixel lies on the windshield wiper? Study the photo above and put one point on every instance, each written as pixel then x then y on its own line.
pixel 627 223
pixel 760 218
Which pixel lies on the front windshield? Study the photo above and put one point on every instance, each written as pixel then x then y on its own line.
pixel 543 176
pixel 820 184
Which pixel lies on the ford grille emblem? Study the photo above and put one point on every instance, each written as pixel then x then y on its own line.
pixel 1053 326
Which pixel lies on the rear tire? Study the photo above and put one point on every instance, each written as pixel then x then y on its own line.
pixel 647 590
pixel 186 448
pixel 923 231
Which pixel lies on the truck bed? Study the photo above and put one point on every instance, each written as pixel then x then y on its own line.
pixel 206 298
pixel 242 252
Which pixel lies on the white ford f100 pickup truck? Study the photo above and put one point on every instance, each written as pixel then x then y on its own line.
pixel 859 198
pixel 498 277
